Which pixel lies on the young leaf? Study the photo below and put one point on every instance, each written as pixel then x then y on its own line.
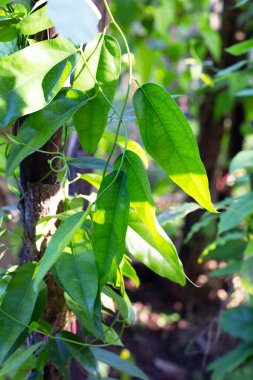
pixel 169 140
pixel 78 272
pixel 16 307
pixel 110 224
pixel 35 22
pixel 40 126
pixel 22 74
pixel 116 362
pixel 103 57
pixel 160 258
pixel 142 201
pixel 82 15
pixel 59 241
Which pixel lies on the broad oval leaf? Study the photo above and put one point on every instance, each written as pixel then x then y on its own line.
pixel 238 322
pixel 76 20
pixel 40 126
pixel 78 272
pixel 22 75
pixel 57 244
pixel 169 140
pixel 103 57
pixel 110 224
pixel 17 307
pixel 243 160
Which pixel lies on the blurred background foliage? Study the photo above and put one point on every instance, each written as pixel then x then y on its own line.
pixel 201 51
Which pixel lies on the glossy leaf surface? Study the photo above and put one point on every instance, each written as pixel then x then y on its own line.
pixel 24 84
pixel 110 224
pixel 169 140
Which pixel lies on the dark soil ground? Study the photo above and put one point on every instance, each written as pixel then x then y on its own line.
pixel 176 334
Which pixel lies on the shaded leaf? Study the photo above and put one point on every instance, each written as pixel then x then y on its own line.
pixel 88 162
pixel 40 126
pixel 243 160
pixel 103 57
pixel 238 322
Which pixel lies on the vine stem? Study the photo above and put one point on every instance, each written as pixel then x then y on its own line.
pixel 129 79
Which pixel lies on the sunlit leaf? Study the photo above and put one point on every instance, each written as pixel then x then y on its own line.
pixel 36 22
pixel 169 139
pixel 241 47
pixel 25 86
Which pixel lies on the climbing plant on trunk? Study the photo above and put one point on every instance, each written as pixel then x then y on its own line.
pixel 75 259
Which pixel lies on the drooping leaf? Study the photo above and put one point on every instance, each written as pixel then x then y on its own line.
pixel 18 358
pixel 35 22
pixel 24 85
pixel 17 307
pixel 123 304
pixel 141 200
pixel 82 354
pixel 238 322
pixel 78 272
pixel 83 16
pixel 240 209
pixel 129 271
pixel 40 126
pixel 169 139
pixel 103 59
pixel 241 47
pixel 110 224
pixel 59 241
pixel 161 259
pixel 116 362
pixel 230 361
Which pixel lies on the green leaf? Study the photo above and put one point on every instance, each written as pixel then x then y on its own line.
pixel 78 272
pixel 178 212
pixel 110 224
pixel 83 18
pixel 240 48
pixel 18 358
pixel 40 126
pixel 131 145
pixel 16 307
pixel 228 247
pixel 82 354
pixel 160 258
pixel 169 140
pixel 24 87
pixel 36 22
pixel 123 304
pixel 116 362
pixel 229 270
pixel 103 57
pixel 57 244
pixel 243 160
pixel 244 93
pixel 87 162
pixel 241 208
pixel 229 70
pixel 129 271
pixel 230 361
pixel 141 200
pixel 238 322
pixel 8 33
